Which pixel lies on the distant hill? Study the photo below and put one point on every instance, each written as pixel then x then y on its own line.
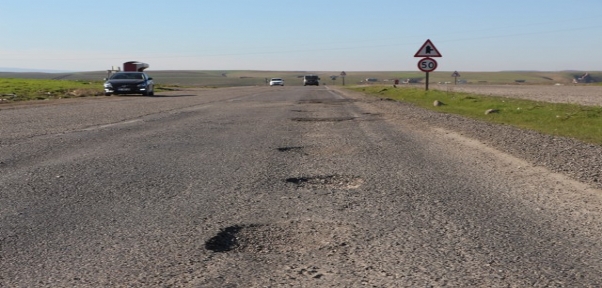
pixel 229 78
pixel 22 70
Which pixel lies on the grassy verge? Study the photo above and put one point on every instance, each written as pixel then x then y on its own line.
pixel 568 120
pixel 13 89
pixel 37 89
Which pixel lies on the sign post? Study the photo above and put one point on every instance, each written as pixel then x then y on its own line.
pixel 343 74
pixel 333 78
pixel 455 75
pixel 427 64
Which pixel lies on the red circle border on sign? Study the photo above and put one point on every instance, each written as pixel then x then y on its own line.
pixel 430 70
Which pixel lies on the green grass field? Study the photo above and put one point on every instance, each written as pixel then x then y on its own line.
pixel 39 89
pixel 568 120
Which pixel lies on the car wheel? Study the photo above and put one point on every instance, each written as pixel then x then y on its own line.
pixel 108 94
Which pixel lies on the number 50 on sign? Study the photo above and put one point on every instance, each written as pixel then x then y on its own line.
pixel 427 64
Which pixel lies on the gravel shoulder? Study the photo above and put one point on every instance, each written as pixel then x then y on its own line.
pixel 578 160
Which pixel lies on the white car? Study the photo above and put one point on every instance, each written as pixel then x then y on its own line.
pixel 276 82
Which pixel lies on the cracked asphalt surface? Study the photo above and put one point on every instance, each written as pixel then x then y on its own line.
pixel 278 187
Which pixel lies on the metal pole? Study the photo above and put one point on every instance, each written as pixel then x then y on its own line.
pixel 427 81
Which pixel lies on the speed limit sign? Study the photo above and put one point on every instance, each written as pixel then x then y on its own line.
pixel 427 64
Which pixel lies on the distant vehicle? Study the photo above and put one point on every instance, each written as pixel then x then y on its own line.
pixel 311 80
pixel 276 82
pixel 129 83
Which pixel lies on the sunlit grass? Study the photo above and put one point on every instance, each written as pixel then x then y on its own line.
pixel 17 89
pixel 568 120
pixel 38 89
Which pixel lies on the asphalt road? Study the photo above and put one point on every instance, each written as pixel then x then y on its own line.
pixel 277 187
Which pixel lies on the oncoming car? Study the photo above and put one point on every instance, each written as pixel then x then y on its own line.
pixel 129 83
pixel 311 80
pixel 276 82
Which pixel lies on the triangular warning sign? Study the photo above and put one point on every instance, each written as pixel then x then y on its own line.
pixel 428 50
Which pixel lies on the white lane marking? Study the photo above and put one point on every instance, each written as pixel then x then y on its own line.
pixel 111 125
pixel 337 96
pixel 141 119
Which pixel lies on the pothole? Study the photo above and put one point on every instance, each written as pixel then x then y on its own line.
pixel 326 101
pixel 225 240
pixel 288 237
pixel 372 114
pixel 290 149
pixel 326 119
pixel 344 182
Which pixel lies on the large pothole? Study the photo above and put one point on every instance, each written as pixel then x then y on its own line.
pixel 288 237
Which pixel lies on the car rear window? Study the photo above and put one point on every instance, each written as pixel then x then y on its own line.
pixel 127 76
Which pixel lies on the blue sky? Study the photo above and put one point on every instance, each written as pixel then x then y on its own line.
pixel 307 35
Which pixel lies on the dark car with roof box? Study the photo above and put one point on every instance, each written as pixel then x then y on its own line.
pixel 129 83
